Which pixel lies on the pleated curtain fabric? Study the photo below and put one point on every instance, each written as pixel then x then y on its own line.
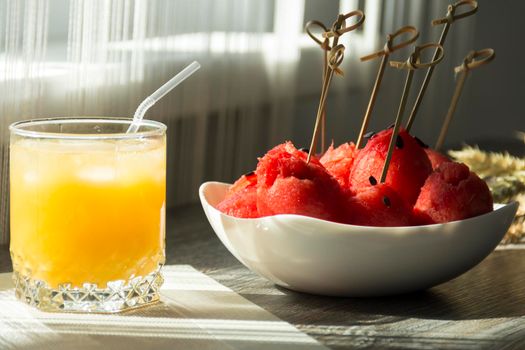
pixel 103 57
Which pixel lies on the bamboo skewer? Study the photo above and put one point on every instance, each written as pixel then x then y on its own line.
pixel 450 17
pixel 385 53
pixel 470 62
pixel 325 45
pixel 412 63
pixel 334 60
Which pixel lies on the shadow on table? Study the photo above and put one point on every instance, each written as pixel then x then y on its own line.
pixel 431 304
pixel 491 290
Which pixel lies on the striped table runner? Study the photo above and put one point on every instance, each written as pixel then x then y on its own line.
pixel 196 312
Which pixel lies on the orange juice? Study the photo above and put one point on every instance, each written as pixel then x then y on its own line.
pixel 87 211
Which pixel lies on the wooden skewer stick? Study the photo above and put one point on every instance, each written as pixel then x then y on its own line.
pixel 334 59
pixel 339 28
pixel 324 43
pixel 412 63
pixel 323 129
pixel 450 17
pixel 387 50
pixel 484 56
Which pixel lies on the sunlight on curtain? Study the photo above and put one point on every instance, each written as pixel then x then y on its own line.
pixel 23 41
pixel 79 57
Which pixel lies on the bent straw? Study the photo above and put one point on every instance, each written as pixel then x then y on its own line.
pixel 160 93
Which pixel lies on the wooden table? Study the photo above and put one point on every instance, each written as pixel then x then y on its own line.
pixel 483 309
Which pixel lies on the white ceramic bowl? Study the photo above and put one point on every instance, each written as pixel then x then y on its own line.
pixel 321 257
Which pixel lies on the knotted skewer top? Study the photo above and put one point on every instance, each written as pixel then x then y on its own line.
pixel 389 45
pixel 414 61
pixel 339 27
pixel 470 62
pixel 334 54
pixel 451 15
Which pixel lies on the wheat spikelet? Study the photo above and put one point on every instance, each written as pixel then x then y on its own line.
pixel 505 188
pixel 487 164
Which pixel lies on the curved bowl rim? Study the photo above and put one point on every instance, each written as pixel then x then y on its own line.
pixel 352 229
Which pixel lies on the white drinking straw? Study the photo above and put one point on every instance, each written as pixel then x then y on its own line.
pixel 157 95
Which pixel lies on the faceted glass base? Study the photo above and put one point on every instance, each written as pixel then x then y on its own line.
pixel 117 296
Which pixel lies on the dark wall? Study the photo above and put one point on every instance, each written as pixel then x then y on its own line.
pixel 491 106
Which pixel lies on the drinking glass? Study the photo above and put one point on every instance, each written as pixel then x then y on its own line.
pixel 87 213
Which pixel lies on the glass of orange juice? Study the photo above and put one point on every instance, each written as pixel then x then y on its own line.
pixel 87 213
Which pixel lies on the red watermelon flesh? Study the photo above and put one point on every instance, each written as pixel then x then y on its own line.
pixel 241 199
pixel 338 161
pixel 408 170
pixel 242 204
pixel 378 205
pixel 286 184
pixel 436 158
pixel 244 181
pixel 452 192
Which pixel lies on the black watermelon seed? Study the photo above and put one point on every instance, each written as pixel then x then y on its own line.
pixel 304 149
pixel 399 142
pixel 386 201
pixel 421 143
pixel 369 135
pixel 372 180
pixel 251 173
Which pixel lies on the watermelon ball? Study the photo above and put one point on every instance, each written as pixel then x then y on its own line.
pixel 241 199
pixel 452 192
pixel 286 184
pixel 436 158
pixel 246 180
pixel 408 170
pixel 338 162
pixel 378 205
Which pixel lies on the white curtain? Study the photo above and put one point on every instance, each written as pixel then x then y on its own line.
pixel 102 57
pixel 259 84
